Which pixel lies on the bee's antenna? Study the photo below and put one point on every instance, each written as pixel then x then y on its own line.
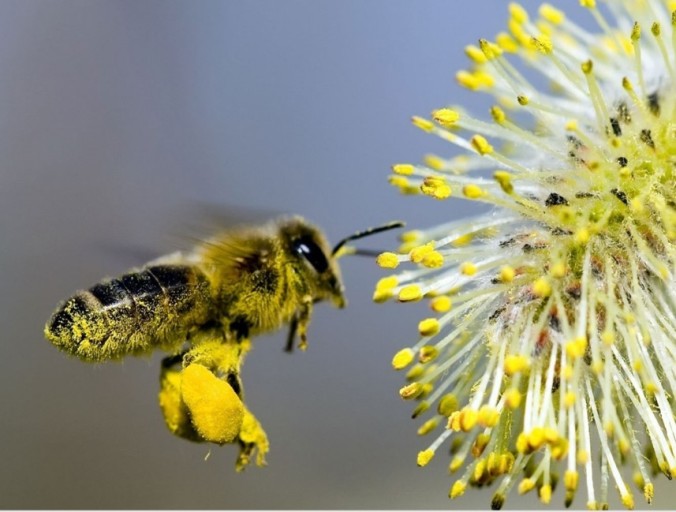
pixel 367 232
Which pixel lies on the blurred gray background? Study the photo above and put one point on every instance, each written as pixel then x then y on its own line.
pixel 115 118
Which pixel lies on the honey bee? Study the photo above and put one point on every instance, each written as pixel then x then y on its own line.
pixel 203 307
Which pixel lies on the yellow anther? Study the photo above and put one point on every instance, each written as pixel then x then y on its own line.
pixel 567 372
pixel 479 470
pixel 416 372
pixel 551 14
pixel 468 268
pixel 463 240
pixel 456 464
pixel 571 125
pixel 559 448
pixel 468 419
pixel 570 479
pixel 558 269
pixel 587 67
pixel 420 408
pixel 475 54
pixel 522 445
pixel 474 80
pixel 418 253
pixel 543 44
pixel 436 187
pixel 536 438
pixel 387 260
pixel 480 444
pixel 472 191
pixel 481 145
pixel 589 4
pixel 428 426
pixel 649 492
pixel 506 463
pixel 488 416
pixel 522 100
pixel 380 296
pixel 428 327
pixel 441 304
pixel 512 398
pixel 507 274
pixel 582 236
pixel 504 179
pixel 518 13
pixel 424 457
pixel 402 184
pixel 410 236
pixel 526 485
pixel 515 364
pixel 636 31
pixel 457 489
pixel 576 348
pixel 546 494
pixel 410 391
pixel 434 162
pixel 628 500
pixel 597 367
pixel 656 29
pixel 428 353
pixel 498 114
pixel 424 124
pixel 446 117
pixel 541 287
pixel 506 42
pixel 582 457
pixel 387 283
pixel 404 169
pixel 490 50
pixel 410 293
pixel 569 399
pixel 403 358
pixel 447 405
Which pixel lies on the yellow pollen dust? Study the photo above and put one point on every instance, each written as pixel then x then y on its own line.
pixel 488 416
pixel 515 363
pixel 436 187
pixel 541 287
pixel 387 260
pixel 418 253
pixel 507 274
pixel 577 347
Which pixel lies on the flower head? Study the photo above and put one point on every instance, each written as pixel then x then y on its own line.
pixel 549 354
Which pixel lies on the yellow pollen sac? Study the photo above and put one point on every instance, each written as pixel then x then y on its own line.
pixel 404 169
pixel 428 353
pixel 423 124
pixel 488 416
pixel 558 270
pixel 387 283
pixel 463 240
pixel 410 391
pixel 512 398
pixel 546 494
pixel 410 236
pixel 542 288
pixel 428 427
pixel 380 296
pixel 446 117
pixel 628 501
pixel 526 485
pixel 475 54
pixel 447 405
pixel 418 253
pixel 490 50
pixel 536 438
pixel 581 236
pixel 441 304
pixel 570 479
pixel 468 419
pixel 543 44
pixel 569 399
pixel 518 13
pixel 424 457
pixel 649 493
pixel 472 191
pixel 498 114
pixel 403 358
pixel 387 260
pixel 435 162
pixel 410 293
pixel 216 411
pixel 559 448
pixel 576 348
pixel 587 67
pixel 480 444
pixel 551 14
pixel 457 489
pixel 582 457
pixel 416 372
pixel 504 179
pixel 506 42
pixel 522 100
pixel 468 268
pixel 436 187
pixel 515 364
pixel 522 443
pixel 428 327
pixel 656 29
pixel 589 4
pixel 481 145
pixel 507 274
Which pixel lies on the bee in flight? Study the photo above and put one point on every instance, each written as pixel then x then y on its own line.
pixel 204 307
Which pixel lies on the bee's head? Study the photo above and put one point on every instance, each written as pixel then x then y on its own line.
pixel 316 263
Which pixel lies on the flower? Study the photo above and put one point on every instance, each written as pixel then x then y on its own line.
pixel 549 354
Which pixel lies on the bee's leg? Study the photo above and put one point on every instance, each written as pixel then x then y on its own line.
pixel 293 329
pixel 304 315
pixel 170 361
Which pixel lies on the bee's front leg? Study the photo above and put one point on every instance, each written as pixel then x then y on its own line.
pixel 304 315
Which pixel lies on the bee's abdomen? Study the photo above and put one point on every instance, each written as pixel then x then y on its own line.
pixel 137 312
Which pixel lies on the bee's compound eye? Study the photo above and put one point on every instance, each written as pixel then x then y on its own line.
pixel 309 249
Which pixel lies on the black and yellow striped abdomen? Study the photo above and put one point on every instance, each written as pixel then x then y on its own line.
pixel 154 307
